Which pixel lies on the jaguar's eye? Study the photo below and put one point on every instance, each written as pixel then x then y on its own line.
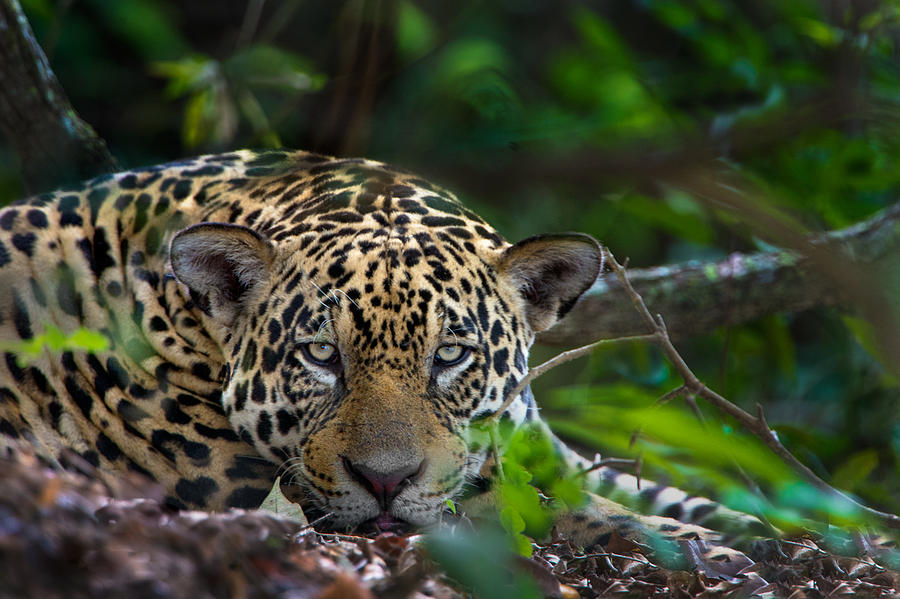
pixel 321 353
pixel 448 355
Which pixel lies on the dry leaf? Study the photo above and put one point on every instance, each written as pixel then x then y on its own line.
pixel 277 503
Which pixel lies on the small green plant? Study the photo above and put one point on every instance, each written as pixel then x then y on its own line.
pixel 533 483
pixel 55 340
pixel 450 505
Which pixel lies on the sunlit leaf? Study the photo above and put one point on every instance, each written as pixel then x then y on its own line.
pixel 55 340
pixel 416 34
pixel 821 32
pixel 188 74
pixel 569 491
pixel 451 505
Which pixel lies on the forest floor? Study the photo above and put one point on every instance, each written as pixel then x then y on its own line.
pixel 63 535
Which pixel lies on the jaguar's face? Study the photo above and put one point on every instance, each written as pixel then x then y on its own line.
pixel 358 368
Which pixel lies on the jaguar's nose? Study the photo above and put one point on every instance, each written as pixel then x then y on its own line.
pixel 383 486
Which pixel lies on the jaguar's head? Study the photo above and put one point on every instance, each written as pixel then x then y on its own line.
pixel 358 356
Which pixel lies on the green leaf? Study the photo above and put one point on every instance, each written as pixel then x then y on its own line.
pixel 253 111
pixel 523 544
pixel 511 520
pixel 569 491
pixel 676 15
pixel 416 34
pixel 144 25
pixel 265 66
pixel 45 9
pixel 805 497
pixel 677 215
pixel 55 340
pixel 90 341
pixel 482 563
pixel 663 429
pixel 450 504
pixel 221 93
pixel 469 56
pixel 855 469
pixel 602 38
pixel 821 32
pixel 189 74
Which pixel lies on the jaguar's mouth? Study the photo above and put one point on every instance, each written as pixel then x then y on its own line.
pixel 385 522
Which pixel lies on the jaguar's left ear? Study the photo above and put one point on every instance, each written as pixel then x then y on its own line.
pixel 551 272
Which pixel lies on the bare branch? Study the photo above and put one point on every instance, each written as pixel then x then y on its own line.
pixel 755 424
pixel 566 356
pixel 697 297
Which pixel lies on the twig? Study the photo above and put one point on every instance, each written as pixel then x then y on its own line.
pixel 755 424
pixel 673 394
pixel 689 398
pixel 691 401
pixel 642 560
pixel 614 462
pixel 566 356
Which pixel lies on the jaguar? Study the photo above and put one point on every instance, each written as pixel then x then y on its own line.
pixel 340 322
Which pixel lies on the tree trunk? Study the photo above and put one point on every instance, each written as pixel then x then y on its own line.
pixel 53 145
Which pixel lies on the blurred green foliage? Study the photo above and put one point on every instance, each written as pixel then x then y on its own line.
pixel 533 482
pixel 590 116
pixel 221 93
pixel 482 563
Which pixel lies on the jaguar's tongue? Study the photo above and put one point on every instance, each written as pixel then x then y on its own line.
pixel 387 523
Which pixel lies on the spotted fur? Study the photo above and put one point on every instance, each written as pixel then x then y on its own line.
pixel 340 320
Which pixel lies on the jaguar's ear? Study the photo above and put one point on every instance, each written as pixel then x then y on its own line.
pixel 551 272
pixel 222 265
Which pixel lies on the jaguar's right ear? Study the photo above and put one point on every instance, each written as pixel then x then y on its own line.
pixel 222 264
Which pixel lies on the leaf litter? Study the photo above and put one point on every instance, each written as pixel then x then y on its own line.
pixel 67 535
